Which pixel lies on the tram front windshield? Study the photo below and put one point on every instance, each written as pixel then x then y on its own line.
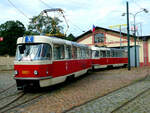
pixel 29 52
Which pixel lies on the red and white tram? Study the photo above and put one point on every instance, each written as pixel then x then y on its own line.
pixel 43 61
pixel 108 57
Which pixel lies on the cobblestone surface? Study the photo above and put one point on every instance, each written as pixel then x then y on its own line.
pixel 140 105
pixel 85 88
pixel 6 79
pixel 6 63
pixel 6 60
pixel 112 101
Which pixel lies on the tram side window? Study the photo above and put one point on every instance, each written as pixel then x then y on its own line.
pixel 59 52
pixel 46 52
pixel 78 53
pixel 83 53
pixel 87 53
pixel 114 53
pixel 74 52
pixel 111 53
pixel 108 53
pixel 68 52
pixel 95 54
pixel 103 53
pixel 118 53
pixel 124 54
pixel 90 53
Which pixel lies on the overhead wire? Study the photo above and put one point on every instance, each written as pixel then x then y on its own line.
pixel 45 4
pixel 77 27
pixel 18 9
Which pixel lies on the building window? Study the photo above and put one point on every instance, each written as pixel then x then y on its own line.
pixel 99 38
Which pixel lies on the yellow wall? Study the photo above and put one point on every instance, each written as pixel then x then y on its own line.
pixel 86 41
pixel 148 50
pixel 141 58
pixel 114 41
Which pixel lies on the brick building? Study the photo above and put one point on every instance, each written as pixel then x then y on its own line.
pixel 110 38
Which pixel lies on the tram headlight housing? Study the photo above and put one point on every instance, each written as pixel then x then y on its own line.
pixel 35 72
pixel 16 72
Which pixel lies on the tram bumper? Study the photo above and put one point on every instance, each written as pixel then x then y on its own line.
pixel 23 83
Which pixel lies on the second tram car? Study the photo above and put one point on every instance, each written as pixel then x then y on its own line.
pixel 43 61
pixel 108 57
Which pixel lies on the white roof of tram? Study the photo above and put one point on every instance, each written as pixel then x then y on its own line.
pixel 46 39
pixel 99 48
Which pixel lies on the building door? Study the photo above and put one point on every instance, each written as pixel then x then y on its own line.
pixel 145 52
pixel 132 56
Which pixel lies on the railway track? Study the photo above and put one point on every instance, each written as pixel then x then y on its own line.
pixel 11 98
pixel 16 93
pixel 111 110
pixel 7 88
pixel 8 92
pixel 21 99
pixel 126 103
pixel 3 108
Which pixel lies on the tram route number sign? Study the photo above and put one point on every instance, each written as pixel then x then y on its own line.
pixel 29 39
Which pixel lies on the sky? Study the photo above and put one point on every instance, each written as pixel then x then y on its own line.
pixel 81 15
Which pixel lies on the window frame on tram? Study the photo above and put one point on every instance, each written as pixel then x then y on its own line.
pixel 95 54
pixel 74 52
pixel 68 52
pixel 103 53
pixel 59 55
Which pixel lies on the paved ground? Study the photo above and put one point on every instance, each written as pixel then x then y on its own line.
pixel 6 79
pixel 118 98
pixel 84 89
pixel 6 63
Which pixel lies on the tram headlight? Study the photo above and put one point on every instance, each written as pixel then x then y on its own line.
pixel 35 72
pixel 16 72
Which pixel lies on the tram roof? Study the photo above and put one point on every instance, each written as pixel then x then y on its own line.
pixel 99 48
pixel 47 39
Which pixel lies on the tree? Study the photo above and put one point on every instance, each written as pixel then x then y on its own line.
pixel 70 37
pixel 10 31
pixel 45 25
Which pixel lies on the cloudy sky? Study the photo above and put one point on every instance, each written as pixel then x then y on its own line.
pixel 80 14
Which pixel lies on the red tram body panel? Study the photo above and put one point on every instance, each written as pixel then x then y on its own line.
pixel 109 61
